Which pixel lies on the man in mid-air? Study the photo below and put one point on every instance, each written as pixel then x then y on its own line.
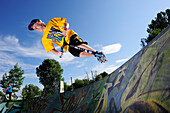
pixel 55 32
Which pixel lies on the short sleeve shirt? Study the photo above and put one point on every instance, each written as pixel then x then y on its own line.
pixel 53 34
pixel 10 89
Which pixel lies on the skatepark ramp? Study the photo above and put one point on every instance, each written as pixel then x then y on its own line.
pixel 142 84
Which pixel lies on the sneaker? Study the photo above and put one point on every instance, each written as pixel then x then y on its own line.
pixel 100 57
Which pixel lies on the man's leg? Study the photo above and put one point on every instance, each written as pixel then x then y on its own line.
pixel 100 57
pixel 10 95
pixel 85 54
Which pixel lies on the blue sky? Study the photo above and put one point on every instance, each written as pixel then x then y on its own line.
pixel 112 26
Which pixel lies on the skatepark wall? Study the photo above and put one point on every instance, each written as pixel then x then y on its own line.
pixel 142 84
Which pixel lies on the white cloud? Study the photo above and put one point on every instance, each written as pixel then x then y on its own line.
pixel 111 48
pixel 98 45
pixel 77 63
pixel 10 54
pixel 30 75
pixel 122 60
pixel 7 61
pixel 67 57
pixel 103 67
pixel 35 50
pixel 96 70
pixel 81 64
pixel 1 74
pixel 9 39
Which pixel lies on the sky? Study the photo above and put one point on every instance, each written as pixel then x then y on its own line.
pixel 112 26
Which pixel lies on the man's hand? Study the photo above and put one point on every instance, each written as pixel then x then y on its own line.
pixel 6 90
pixel 59 53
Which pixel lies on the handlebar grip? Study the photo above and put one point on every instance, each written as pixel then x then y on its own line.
pixel 61 51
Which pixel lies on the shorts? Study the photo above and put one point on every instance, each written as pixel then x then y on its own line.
pixel 75 40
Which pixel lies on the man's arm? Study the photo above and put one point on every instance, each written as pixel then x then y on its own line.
pixel 66 26
pixel 6 89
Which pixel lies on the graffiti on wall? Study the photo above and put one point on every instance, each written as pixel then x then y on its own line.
pixel 141 84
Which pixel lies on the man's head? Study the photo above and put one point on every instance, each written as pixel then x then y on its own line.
pixel 9 84
pixel 37 25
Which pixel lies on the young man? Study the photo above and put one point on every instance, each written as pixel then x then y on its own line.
pixel 9 90
pixel 55 32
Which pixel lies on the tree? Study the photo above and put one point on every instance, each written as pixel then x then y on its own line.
pixel 30 91
pixel 70 87
pixel 91 81
pixel 86 82
pixel 49 72
pixel 2 97
pixel 65 86
pixel 98 77
pixel 1 93
pixel 78 83
pixel 103 74
pixel 159 24
pixel 15 78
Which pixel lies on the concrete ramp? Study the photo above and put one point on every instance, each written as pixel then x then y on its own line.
pixel 140 85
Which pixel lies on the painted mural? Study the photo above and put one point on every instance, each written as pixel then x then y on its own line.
pixel 141 85
pixel 10 107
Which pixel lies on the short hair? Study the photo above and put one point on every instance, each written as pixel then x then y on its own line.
pixel 32 23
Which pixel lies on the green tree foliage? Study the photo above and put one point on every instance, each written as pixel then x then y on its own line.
pixel 65 86
pixel 98 77
pixel 70 87
pixel 1 96
pixel 91 81
pixel 49 72
pixel 78 83
pixel 86 82
pixel 30 91
pixel 103 74
pixel 1 93
pixel 159 24
pixel 15 77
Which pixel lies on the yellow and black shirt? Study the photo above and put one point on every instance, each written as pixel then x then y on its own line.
pixel 53 34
